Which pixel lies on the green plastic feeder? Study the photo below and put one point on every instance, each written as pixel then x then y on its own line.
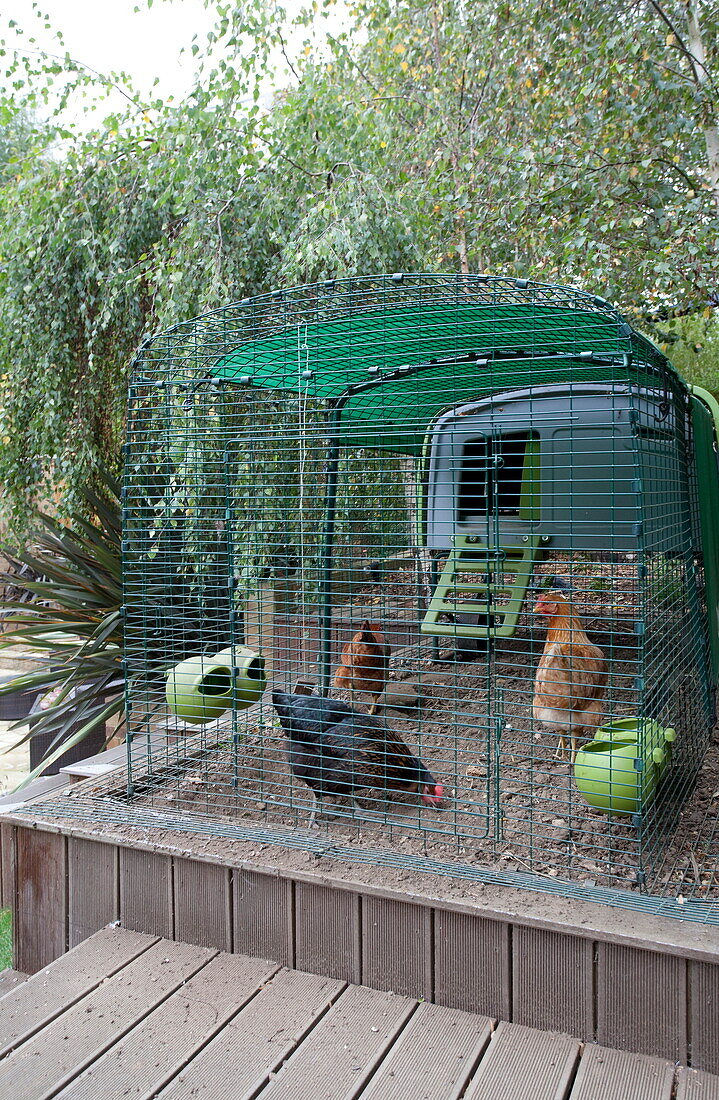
pixel 606 772
pixel 628 729
pixel 201 689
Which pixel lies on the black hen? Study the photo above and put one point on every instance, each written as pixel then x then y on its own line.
pixel 337 750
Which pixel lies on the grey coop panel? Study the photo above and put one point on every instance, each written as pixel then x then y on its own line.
pixel 589 467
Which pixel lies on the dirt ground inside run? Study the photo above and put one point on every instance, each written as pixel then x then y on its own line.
pixel 509 803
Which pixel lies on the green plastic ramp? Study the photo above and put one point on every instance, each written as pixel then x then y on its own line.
pixel 470 556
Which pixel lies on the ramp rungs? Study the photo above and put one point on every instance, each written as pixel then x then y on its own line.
pixel 467 557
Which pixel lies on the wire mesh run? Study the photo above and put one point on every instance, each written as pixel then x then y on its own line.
pixel 424 561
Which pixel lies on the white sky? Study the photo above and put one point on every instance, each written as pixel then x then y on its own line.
pixel 109 35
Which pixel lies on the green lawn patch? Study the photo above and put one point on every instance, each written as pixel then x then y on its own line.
pixel 5 939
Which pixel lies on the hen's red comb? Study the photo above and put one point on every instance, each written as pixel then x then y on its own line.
pixel 433 795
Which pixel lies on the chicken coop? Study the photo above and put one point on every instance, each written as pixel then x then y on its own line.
pixel 426 565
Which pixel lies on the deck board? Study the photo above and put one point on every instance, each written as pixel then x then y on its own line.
pixel 327 931
pixel 396 947
pixel 703 979
pixel 39 917
pixel 624 978
pixel 552 981
pixel 146 892
pixel 49 992
pixel 10 979
pixel 433 1058
pixel 605 1074
pixel 61 1050
pixel 126 1014
pixel 93 891
pixel 256 1041
pixel 695 1085
pixel 484 986
pixel 523 1064
pixel 162 1043
pixel 340 1053
pixel 202 904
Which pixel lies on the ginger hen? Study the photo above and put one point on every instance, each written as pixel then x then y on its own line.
pixel 365 664
pixel 571 679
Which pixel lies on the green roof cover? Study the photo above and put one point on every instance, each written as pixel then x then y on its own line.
pixel 402 366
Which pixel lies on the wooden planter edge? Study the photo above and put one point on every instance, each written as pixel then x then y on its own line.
pixel 634 993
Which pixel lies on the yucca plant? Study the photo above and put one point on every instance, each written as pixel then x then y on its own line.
pixel 73 620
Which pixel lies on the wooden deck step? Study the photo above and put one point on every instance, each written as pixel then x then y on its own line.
pixel 9 979
pixel 524 1064
pixel 605 1073
pixel 434 1056
pixel 694 1085
pixel 37 1002
pixel 158 1047
pixel 79 1036
pixel 125 1013
pixel 255 1043
pixel 339 1055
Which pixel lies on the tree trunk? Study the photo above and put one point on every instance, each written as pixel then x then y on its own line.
pixel 701 79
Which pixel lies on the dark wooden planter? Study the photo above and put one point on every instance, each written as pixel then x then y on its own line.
pixel 87 747
pixel 641 983
pixel 18 705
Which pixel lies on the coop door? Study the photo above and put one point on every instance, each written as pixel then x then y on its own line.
pixel 495 477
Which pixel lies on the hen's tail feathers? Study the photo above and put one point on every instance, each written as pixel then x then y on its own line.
pixel 539 583
pixel 369 635
pixel 558 584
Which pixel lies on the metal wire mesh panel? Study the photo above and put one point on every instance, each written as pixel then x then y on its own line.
pixel 420 561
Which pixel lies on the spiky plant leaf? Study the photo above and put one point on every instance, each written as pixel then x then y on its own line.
pixel 74 620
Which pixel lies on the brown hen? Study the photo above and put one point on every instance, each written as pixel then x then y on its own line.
pixel 365 664
pixel 571 679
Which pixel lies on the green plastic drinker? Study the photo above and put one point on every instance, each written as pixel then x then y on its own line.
pixel 606 770
pixel 201 689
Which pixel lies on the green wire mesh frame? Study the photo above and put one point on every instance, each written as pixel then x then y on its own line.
pixel 490 348
pixel 706 427
pixel 358 347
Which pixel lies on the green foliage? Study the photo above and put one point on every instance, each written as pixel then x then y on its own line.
pixel 548 140
pixel 222 456
pixel 73 619
pixel 73 622
pixel 692 344
pixel 570 143
pixel 5 939
pixel 71 317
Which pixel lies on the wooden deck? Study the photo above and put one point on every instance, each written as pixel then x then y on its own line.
pixel 128 1014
